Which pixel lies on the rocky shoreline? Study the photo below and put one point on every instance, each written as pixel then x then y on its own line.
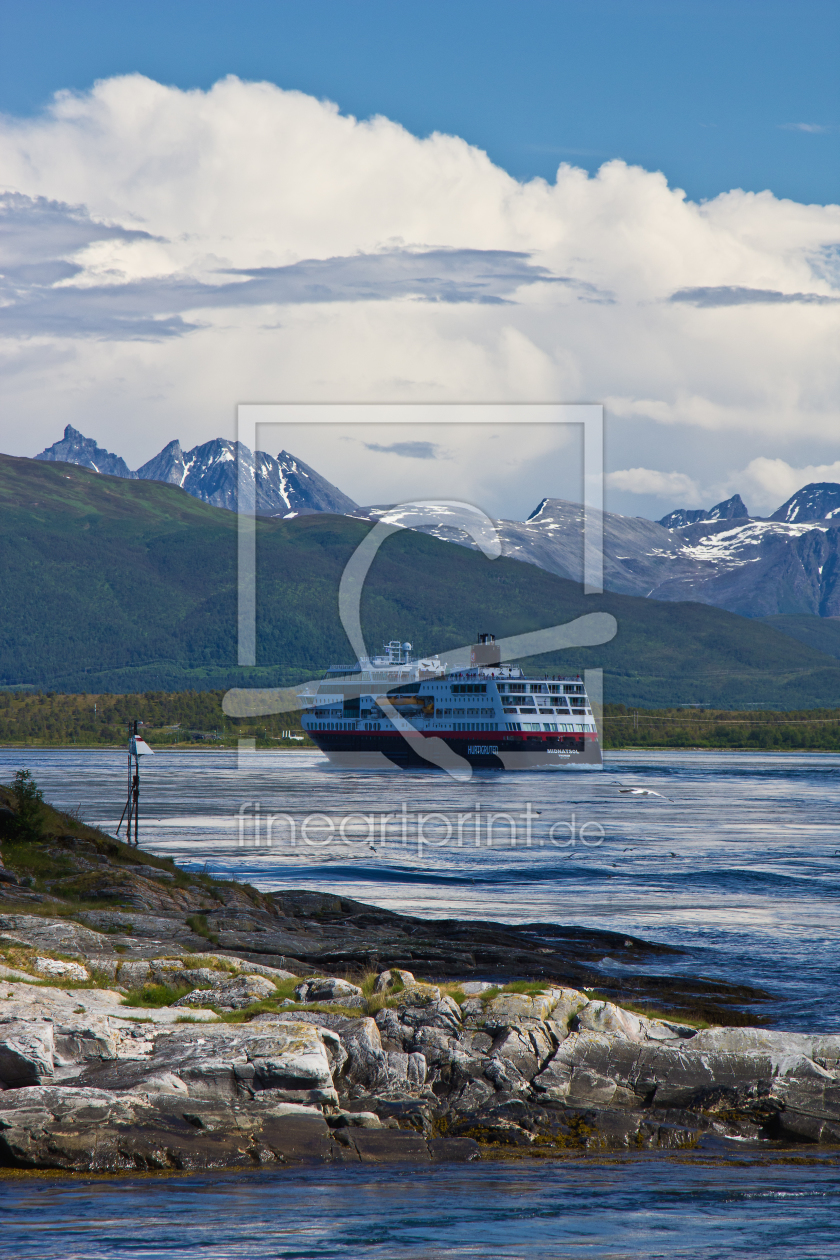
pixel 151 1018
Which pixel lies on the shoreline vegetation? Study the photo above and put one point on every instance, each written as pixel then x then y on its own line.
pixel 194 719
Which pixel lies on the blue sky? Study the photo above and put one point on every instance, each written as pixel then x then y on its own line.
pixel 713 94
pixel 372 211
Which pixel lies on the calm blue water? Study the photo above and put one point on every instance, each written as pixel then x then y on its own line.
pixel 645 1208
pixel 737 860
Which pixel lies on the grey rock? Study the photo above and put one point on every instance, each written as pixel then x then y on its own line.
pixel 133 973
pixel 225 1062
pixel 406 1072
pixel 60 936
pixel 60 969
pixel 437 1046
pixel 386 979
pixel 97 1130
pixel 746 1072
pixel 395 1034
pixel 511 1009
pixel 26 1052
pixel 442 1013
pixel 367 1063
pixel 84 1039
pixel 326 989
pixel 526 1049
pixel 232 995
pixel 355 1119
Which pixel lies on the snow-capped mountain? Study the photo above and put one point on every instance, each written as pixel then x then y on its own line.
pixel 787 564
pixel 728 510
pixel 75 448
pixel 753 567
pixel 284 486
pixel 819 501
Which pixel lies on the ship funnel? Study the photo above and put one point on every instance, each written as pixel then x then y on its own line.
pixel 485 651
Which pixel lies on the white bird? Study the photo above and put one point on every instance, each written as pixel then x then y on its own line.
pixel 641 791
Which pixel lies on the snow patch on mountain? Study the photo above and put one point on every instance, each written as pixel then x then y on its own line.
pixel 729 547
pixel 819 501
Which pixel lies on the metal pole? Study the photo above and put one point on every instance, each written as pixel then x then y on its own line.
pixel 136 800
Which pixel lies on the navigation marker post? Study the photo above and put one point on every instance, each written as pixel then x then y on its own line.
pixel 137 747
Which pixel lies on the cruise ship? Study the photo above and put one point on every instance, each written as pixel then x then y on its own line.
pixel 394 710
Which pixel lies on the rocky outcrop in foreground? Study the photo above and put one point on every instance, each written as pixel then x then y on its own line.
pixel 91 1085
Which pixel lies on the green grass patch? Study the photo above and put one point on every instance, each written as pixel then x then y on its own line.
pixel 199 925
pixel 529 987
pixel 156 995
pixel 30 858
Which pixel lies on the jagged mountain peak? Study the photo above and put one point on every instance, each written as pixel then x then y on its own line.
pixel 75 448
pixel 168 466
pixel 818 501
pixel 728 510
pixel 285 486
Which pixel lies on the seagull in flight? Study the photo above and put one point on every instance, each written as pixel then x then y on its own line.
pixel 640 791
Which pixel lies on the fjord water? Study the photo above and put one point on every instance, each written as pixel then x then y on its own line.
pixel 605 1209
pixel 736 861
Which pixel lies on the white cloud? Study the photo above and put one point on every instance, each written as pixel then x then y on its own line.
pixel 814 129
pixel 662 485
pixel 770 482
pixel 197 249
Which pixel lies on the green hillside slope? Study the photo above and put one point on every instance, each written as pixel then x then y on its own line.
pixel 822 633
pixel 119 586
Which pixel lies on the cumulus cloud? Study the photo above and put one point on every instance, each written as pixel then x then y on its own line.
pixel 663 485
pixel 772 481
pixel 765 483
pixel 174 253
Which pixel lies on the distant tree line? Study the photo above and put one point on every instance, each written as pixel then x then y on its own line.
pixel 716 728
pixel 53 719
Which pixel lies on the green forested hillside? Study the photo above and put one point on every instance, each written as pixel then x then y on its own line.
pixel 126 586
pixel 822 633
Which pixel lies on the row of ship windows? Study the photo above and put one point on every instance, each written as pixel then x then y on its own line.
pixel 465 726
pixel 518 689
pixel 550 726
pixel 527 710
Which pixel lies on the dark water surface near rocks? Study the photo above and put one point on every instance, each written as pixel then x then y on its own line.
pixel 645 1208
pixel 737 862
